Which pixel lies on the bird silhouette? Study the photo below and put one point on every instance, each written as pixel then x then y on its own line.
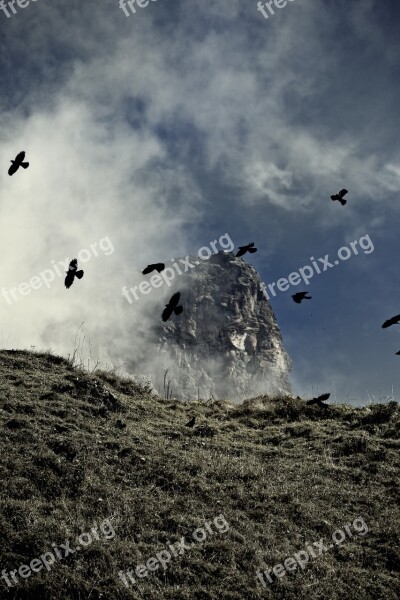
pixel 300 296
pixel 398 353
pixel 191 422
pixel 17 163
pixel 249 248
pixel 393 321
pixel 72 273
pixel 156 267
pixel 172 307
pixel 320 400
pixel 340 196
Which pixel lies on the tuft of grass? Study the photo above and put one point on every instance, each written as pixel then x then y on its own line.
pixel 78 448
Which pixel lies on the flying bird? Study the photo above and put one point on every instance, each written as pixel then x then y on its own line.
pixel 340 196
pixel 191 422
pixel 72 273
pixel 172 307
pixel 249 248
pixel 320 400
pixel 300 296
pixel 17 163
pixel 156 267
pixel 393 321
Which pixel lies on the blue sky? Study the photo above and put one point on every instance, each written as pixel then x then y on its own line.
pixel 188 120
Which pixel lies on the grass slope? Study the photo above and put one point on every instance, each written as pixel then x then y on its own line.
pixel 77 449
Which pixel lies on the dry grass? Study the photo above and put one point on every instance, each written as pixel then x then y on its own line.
pixel 79 448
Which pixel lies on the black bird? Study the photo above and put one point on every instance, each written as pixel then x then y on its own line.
pixel 393 321
pixel 172 307
pixel 300 296
pixel 17 163
pixel 72 273
pixel 320 400
pixel 340 196
pixel 191 422
pixel 249 248
pixel 156 267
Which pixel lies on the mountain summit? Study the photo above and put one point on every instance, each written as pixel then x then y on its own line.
pixel 227 342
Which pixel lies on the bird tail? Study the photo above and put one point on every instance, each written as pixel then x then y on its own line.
pixel 79 274
pixel 178 310
pixel 342 201
pixel 25 165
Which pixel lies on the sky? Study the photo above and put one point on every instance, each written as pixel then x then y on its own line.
pixel 155 133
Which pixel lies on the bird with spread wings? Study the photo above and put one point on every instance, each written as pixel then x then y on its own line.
pixel 72 273
pixel 248 248
pixel 172 307
pixel 340 196
pixel 17 163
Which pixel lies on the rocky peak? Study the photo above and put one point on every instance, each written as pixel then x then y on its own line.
pixel 226 343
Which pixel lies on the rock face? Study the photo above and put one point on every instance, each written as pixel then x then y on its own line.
pixel 226 343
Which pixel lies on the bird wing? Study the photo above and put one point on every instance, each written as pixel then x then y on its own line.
pixel 252 250
pixel 335 197
pixel 160 267
pixel 313 401
pixel 20 157
pixel 69 280
pixel 167 312
pixel 241 251
pixel 343 192
pixel 391 321
pixel 79 274
pixel 147 270
pixel 323 397
pixel 175 299
pixel 13 169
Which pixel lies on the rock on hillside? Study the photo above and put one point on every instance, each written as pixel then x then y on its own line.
pixel 227 342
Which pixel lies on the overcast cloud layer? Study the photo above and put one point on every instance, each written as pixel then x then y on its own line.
pixel 188 120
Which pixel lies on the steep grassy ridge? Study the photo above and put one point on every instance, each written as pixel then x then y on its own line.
pixel 77 449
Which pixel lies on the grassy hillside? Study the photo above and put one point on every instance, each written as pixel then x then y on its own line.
pixel 269 478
